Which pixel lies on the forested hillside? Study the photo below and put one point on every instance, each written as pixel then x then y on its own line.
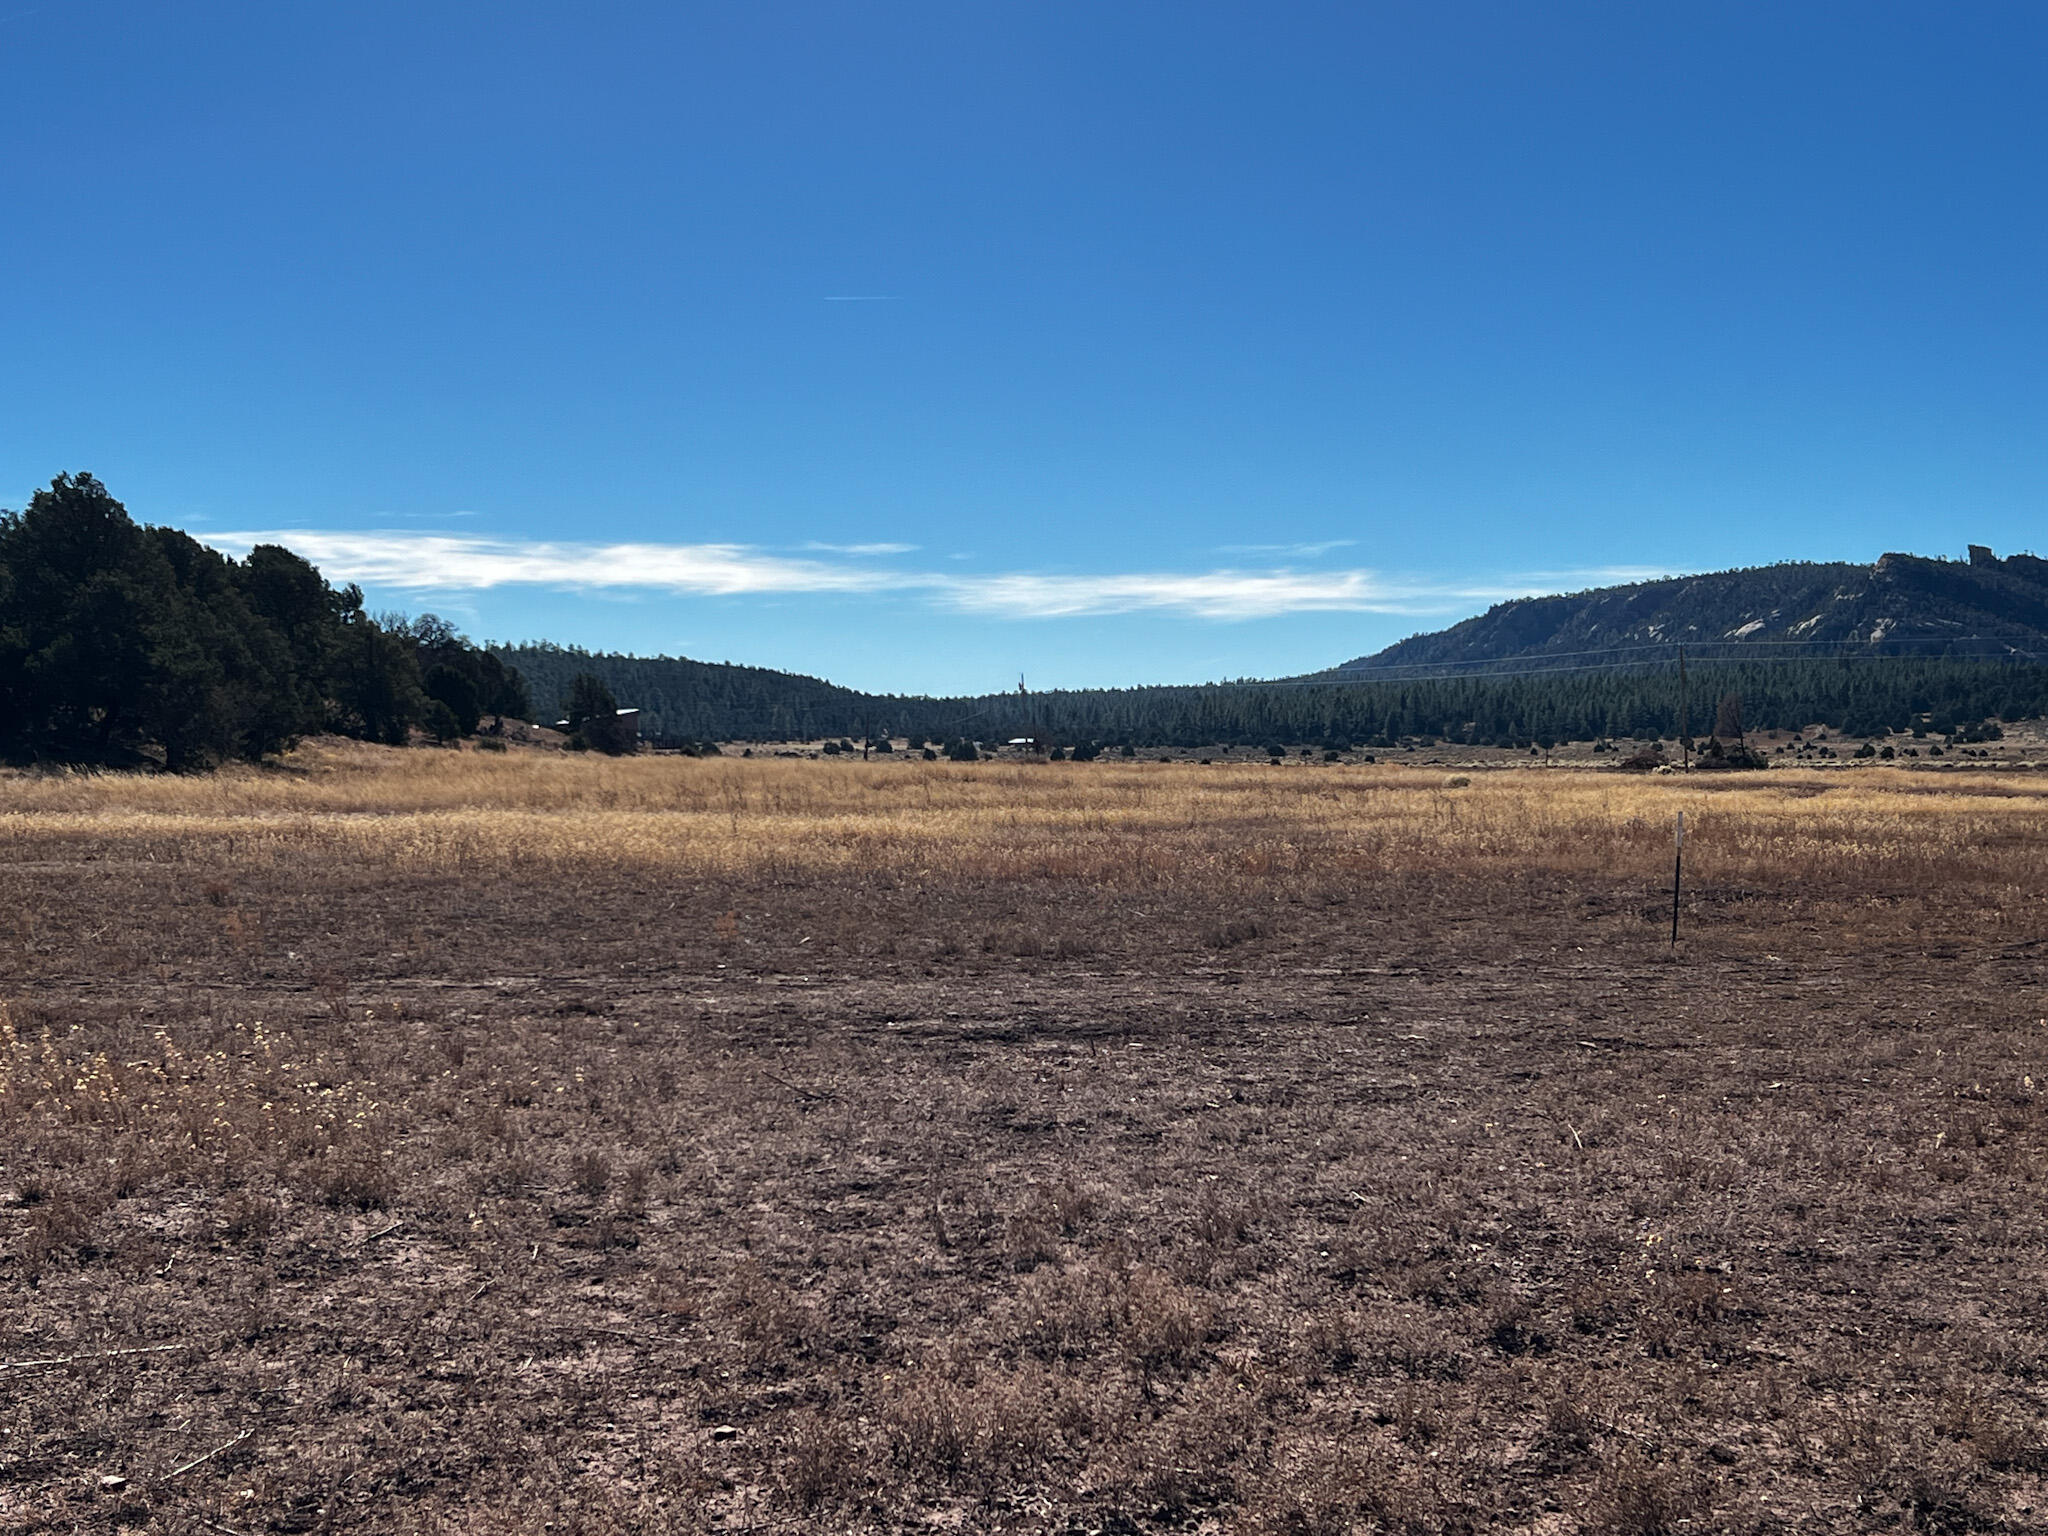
pixel 1904 642
pixel 680 699
pixel 684 700
pixel 1902 605
pixel 126 644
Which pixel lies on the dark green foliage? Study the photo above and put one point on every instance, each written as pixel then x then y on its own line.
pixel 117 641
pixel 121 643
pixel 594 721
pixel 375 683
pixel 681 699
pixel 586 697
pixel 472 682
pixel 615 735
pixel 439 721
pixel 1716 753
pixel 1860 695
pixel 90 627
pixel 448 687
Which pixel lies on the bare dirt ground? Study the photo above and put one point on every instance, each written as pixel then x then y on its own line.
pixel 346 1192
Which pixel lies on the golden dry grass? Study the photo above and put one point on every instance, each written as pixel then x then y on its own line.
pixel 1126 824
pixel 424 1142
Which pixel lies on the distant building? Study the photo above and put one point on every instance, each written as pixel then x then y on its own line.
pixel 1980 555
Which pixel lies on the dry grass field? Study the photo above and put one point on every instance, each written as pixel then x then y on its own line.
pixel 523 1142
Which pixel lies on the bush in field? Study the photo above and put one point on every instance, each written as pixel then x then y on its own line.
pixel 439 721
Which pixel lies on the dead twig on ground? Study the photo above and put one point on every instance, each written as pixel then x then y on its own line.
pixel 808 1095
pixel 97 1354
pixel 200 1461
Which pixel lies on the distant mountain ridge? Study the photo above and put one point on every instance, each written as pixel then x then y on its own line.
pixel 1902 604
pixel 1577 667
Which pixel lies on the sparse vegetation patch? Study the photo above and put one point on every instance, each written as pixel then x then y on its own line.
pixel 458 1141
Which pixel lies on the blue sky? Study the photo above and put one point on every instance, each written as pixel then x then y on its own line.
pixel 918 346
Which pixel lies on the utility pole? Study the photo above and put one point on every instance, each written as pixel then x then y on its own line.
pixel 1684 722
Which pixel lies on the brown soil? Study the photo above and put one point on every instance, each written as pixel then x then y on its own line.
pixel 339 1196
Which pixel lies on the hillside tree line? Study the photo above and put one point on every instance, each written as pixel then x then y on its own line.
pixel 685 701
pixel 125 644
pixel 122 643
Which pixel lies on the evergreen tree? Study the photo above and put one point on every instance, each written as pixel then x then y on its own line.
pixel 121 643
pixel 451 688
pixel 94 617
pixel 376 683
pixel 587 697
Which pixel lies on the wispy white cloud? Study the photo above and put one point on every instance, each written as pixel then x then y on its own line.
pixel 422 517
pixel 1287 551
pixel 1574 580
pixel 1204 594
pixel 1257 594
pixel 447 562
